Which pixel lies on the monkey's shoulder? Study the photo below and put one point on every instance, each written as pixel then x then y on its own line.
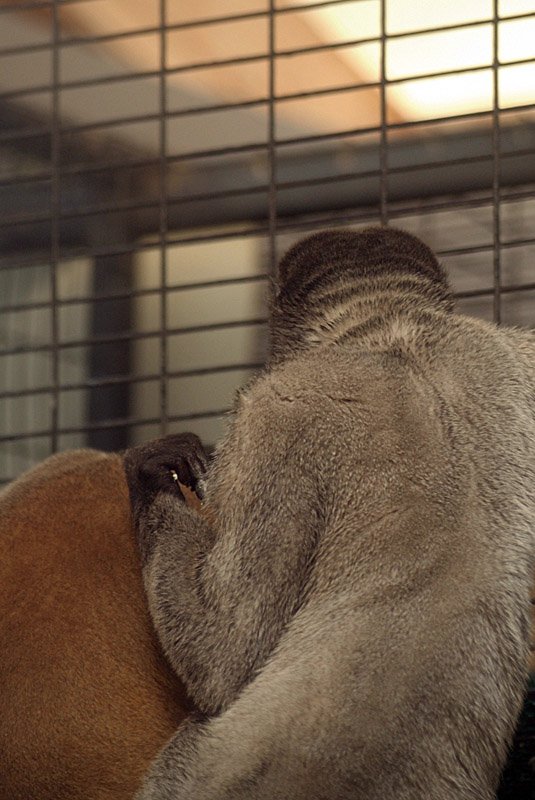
pixel 328 398
pixel 320 377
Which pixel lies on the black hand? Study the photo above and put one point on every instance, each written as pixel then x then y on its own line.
pixel 158 466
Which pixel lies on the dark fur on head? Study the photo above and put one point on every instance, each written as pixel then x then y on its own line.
pixel 345 258
pixel 355 254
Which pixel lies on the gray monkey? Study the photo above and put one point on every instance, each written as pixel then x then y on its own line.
pixel 354 621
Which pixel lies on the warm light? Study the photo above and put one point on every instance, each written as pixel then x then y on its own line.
pixel 327 51
pixel 410 58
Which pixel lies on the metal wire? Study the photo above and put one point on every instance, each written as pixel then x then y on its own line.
pixel 105 207
pixel 55 244
pixel 80 176
pixel 272 153
pixel 155 30
pixel 164 223
pixel 496 170
pixel 383 149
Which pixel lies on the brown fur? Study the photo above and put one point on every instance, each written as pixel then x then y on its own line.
pixel 86 699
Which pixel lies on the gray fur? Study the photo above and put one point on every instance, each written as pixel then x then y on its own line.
pixel 355 624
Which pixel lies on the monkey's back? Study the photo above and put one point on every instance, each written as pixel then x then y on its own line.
pixel 409 646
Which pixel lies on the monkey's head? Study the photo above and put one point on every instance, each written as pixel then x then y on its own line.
pixel 333 266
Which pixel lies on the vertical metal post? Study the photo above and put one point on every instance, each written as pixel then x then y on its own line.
pixel 272 150
pixel 383 147
pixel 496 232
pixel 54 232
pixel 164 223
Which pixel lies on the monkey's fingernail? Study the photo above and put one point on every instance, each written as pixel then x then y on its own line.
pixel 174 475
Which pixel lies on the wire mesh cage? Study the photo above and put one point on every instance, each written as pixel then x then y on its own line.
pixel 158 156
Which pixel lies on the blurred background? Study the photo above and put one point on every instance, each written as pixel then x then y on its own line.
pixel 157 156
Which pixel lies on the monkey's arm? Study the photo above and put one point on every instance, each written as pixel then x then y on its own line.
pixel 220 598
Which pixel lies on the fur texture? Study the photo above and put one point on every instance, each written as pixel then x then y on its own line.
pixel 354 624
pixel 86 697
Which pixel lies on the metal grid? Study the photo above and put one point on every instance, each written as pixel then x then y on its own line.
pixel 108 321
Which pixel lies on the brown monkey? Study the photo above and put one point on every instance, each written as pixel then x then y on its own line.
pixel 355 622
pixel 86 698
